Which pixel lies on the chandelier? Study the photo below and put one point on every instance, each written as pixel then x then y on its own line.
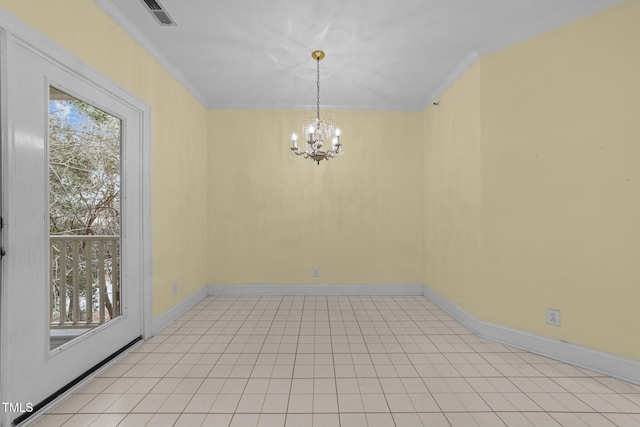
pixel 317 130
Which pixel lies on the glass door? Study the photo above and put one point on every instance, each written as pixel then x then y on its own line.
pixel 73 276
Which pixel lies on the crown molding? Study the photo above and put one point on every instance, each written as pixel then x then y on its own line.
pixel 455 74
pixel 329 107
pixel 546 24
pixel 124 23
pixel 523 34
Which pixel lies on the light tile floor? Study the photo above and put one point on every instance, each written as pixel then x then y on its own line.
pixel 300 361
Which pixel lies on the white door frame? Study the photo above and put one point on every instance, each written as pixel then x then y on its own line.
pixel 12 30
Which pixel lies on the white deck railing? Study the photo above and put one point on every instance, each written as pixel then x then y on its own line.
pixel 85 280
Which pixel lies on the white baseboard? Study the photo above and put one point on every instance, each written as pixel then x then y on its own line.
pixel 165 319
pixel 598 361
pixel 318 290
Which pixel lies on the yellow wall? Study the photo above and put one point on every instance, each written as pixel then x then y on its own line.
pixel 179 140
pixel 273 216
pixel 452 199
pixel 559 184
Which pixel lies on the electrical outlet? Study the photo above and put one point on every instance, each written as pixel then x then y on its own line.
pixel 553 317
pixel 174 288
pixel 316 272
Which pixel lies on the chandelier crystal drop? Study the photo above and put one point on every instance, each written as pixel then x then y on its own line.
pixel 317 130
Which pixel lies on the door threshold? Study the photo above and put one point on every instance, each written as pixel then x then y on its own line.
pixel 37 407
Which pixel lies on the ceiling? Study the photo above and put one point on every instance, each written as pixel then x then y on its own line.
pixel 380 54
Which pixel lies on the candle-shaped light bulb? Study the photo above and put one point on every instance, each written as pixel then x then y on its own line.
pixel 294 138
pixel 335 141
pixel 310 130
pixel 338 132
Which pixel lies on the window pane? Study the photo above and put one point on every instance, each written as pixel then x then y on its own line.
pixel 84 216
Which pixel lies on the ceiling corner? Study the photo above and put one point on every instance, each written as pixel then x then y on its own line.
pixel 547 24
pixel 128 27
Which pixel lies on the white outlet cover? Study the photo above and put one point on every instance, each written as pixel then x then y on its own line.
pixel 553 317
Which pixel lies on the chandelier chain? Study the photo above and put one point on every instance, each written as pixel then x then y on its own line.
pixel 318 87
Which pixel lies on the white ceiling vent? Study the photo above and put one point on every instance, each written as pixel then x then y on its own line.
pixel 158 12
